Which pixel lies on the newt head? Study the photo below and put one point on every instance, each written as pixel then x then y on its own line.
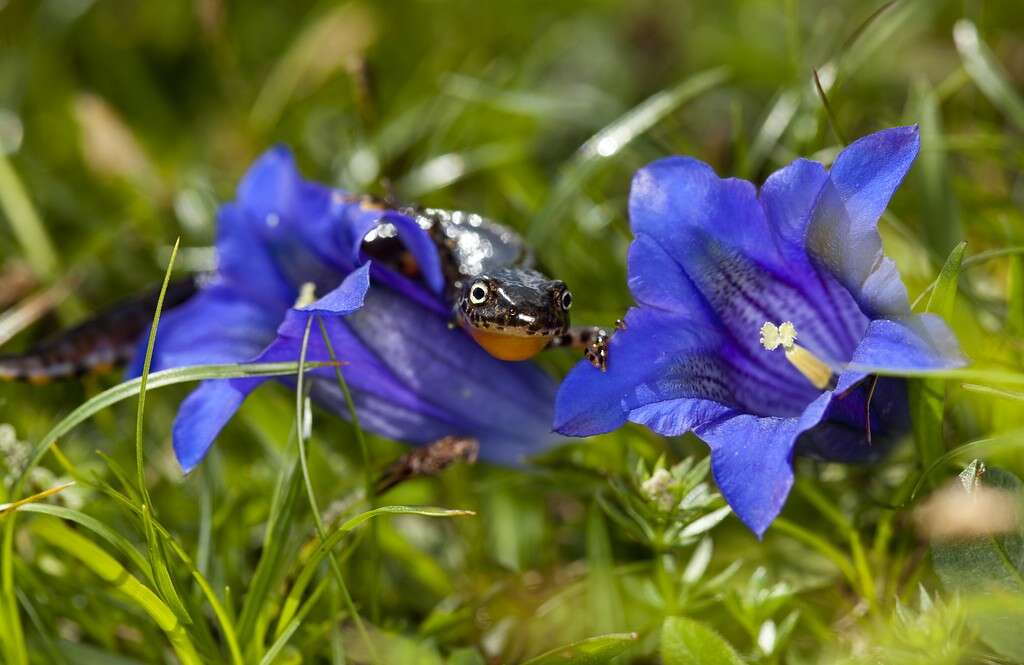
pixel 513 313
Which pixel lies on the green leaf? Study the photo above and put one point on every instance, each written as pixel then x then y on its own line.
pixel 591 651
pixel 97 527
pixel 688 642
pixel 990 573
pixel 943 296
pixel 928 396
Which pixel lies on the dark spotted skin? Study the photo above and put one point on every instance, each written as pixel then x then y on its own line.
pixel 522 302
pixel 478 252
pixel 519 301
pixel 99 344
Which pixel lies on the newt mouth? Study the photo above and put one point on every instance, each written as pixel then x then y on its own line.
pixel 510 344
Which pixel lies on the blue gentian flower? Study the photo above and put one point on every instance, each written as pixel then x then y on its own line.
pixel 413 378
pixel 721 274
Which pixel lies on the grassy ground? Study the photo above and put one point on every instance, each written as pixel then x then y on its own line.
pixel 124 124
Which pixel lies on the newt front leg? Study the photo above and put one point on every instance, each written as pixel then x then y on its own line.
pixel 592 339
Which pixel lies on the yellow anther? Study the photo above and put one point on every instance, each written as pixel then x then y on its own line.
pixel 784 335
pixel 773 336
pixel 307 295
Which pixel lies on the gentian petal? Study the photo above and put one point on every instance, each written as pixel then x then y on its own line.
pixel 202 416
pixel 217 325
pixel 346 298
pixel 422 248
pixel 664 370
pixel 445 368
pixel 244 260
pixel 733 270
pixel 751 460
pixel 789 197
pixel 869 170
pixel 845 433
pixel 843 233
pixel 918 342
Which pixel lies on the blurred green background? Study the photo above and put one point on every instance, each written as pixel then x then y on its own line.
pixel 124 124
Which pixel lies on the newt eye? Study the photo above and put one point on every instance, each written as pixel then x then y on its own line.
pixel 478 293
pixel 566 300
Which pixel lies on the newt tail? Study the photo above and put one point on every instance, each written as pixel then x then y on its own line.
pixel 96 345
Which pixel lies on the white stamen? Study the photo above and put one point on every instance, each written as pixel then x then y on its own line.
pixel 784 335
pixel 307 295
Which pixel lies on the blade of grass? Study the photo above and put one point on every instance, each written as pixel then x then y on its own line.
pixel 862 28
pixel 52 652
pixel 157 557
pixel 334 537
pixel 30 310
pixel 822 546
pixel 293 625
pixel 833 123
pixel 775 123
pixel 219 610
pixel 94 525
pixel 11 625
pixel 969 374
pixel 282 511
pixel 986 72
pixel 1010 440
pixel 610 141
pixel 107 568
pixel 330 40
pixel 591 651
pixel 9 507
pixel 162 379
pixel 134 506
pixel 970 262
pixel 928 396
pixel 942 229
pixel 369 485
pixel 995 392
pixel 300 420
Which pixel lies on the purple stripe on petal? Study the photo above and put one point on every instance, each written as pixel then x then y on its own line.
pixel 662 357
pixel 789 196
pixel 736 267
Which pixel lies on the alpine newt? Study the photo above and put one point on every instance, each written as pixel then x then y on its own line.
pixel 510 308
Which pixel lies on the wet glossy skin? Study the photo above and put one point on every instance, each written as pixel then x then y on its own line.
pixel 509 308
pixel 513 312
